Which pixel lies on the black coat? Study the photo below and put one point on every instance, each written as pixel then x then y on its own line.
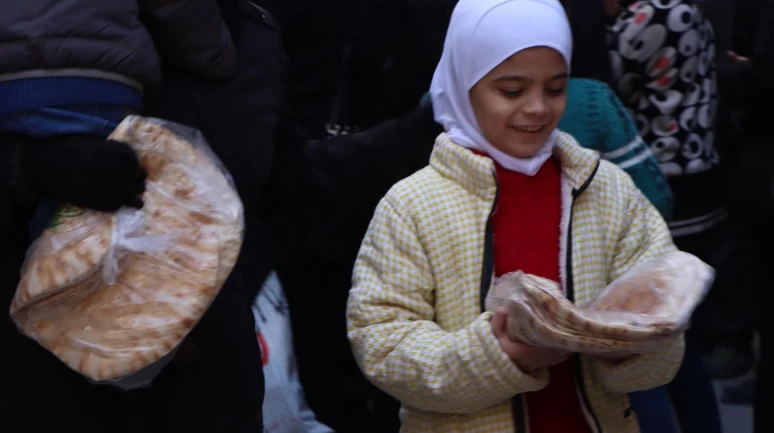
pixel 216 383
pixel 315 34
pixel 36 386
pixel 323 209
pixel 749 87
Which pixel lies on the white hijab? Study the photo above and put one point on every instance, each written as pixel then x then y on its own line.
pixel 482 34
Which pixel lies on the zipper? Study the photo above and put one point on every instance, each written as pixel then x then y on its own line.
pixel 517 403
pixel 488 268
pixel 585 401
pixel 519 416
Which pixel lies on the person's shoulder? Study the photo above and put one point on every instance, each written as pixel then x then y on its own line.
pixel 614 179
pixel 588 162
pixel 587 85
pixel 592 95
pixel 585 163
pixel 583 91
pixel 417 188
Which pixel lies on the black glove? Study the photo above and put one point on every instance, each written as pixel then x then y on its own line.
pixel 85 171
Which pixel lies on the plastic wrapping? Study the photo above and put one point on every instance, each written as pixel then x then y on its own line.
pixel 284 407
pixel 638 313
pixel 113 295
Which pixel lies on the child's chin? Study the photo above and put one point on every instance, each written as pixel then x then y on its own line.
pixel 526 150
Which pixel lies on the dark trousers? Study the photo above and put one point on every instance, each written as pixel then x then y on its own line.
pixel 726 315
pixel 692 392
pixel 757 258
pixel 762 421
pixel 693 395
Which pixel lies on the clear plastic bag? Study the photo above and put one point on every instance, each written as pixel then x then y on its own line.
pixel 284 407
pixel 114 295
pixel 638 313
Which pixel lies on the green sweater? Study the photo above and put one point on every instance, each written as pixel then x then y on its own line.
pixel 598 120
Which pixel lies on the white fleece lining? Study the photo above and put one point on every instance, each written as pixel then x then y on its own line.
pixel 564 230
pixel 586 411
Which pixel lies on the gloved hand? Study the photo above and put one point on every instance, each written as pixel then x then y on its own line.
pixel 86 171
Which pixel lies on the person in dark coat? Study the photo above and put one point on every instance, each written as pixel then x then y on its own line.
pixel 215 382
pixel 67 65
pixel 750 82
pixel 38 388
pixel 77 42
pixel 315 35
pixel 322 203
pixel 79 66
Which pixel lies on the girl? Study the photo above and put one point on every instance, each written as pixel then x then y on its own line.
pixel 504 191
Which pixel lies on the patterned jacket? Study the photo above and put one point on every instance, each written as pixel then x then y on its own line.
pixel 663 57
pixel 426 264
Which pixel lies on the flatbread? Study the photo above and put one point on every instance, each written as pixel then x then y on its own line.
pixel 548 304
pixel 636 313
pixel 83 237
pixel 562 312
pixel 107 332
pixel 218 200
pixel 673 283
pixel 527 328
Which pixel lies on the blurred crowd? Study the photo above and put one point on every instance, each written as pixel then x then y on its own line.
pixel 317 109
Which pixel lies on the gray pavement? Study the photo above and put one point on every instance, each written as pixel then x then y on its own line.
pixel 736 419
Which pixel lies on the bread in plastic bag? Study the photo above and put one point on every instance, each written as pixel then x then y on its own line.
pixel 638 313
pixel 112 294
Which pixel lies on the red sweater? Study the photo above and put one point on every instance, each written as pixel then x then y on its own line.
pixel 526 237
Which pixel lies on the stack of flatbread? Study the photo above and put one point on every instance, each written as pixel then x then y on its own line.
pixel 108 331
pixel 638 313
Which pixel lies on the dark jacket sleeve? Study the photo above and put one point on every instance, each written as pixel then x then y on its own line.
pixel 191 34
pixel 362 167
pixel 352 172
pixel 590 57
pixel 752 82
pixel 237 116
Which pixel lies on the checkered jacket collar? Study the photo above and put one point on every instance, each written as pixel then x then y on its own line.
pixel 475 173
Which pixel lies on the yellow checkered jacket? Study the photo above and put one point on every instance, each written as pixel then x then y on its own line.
pixel 415 315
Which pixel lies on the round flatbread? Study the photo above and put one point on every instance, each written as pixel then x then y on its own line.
pixel 219 203
pixel 69 251
pixel 663 287
pixel 107 332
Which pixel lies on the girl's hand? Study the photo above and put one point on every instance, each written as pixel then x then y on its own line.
pixel 527 358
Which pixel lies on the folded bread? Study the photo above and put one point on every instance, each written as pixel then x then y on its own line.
pixel 634 314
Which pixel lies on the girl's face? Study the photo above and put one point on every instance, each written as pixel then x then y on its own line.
pixel 519 103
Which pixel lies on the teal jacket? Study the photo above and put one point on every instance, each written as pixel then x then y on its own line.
pixel 597 119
